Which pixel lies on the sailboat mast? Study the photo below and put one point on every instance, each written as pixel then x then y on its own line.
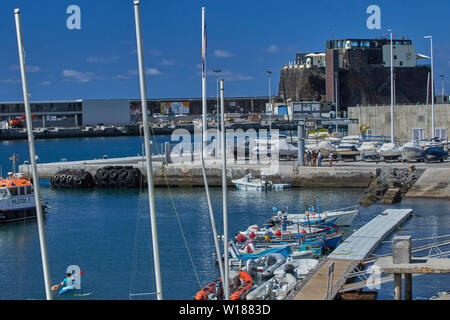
pixel 148 153
pixel 37 192
pixel 224 195
pixel 204 105
pixel 202 154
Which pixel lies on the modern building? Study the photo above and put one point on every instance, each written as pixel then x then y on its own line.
pixel 119 111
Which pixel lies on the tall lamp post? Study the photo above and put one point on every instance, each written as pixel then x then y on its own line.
pixel 392 91
pixel 432 87
pixel 217 71
pixel 270 102
pixel 442 81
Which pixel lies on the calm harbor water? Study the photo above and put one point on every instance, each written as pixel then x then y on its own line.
pixel 107 232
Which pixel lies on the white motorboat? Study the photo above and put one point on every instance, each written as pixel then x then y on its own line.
pixel 248 183
pixel 411 151
pixel 368 150
pixel 285 278
pixel 390 151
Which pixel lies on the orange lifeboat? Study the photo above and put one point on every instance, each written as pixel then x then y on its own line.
pixel 246 286
pixel 210 288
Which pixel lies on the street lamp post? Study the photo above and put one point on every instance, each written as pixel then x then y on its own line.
pixel 270 101
pixel 217 71
pixel 432 86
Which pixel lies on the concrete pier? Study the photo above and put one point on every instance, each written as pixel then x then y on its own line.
pixel 190 174
pixel 433 183
pixel 348 255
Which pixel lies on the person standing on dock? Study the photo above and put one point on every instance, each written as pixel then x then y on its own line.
pixel 314 157
pixel 319 158
pixel 330 159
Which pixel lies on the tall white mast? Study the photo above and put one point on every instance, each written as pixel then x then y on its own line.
pixel 148 152
pixel 37 192
pixel 202 154
pixel 204 106
pixel 224 195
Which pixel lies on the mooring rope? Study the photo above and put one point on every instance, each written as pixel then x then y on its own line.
pixel 177 215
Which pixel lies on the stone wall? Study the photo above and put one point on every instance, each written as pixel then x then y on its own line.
pixel 302 84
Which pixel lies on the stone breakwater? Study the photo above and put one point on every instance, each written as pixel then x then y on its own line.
pixel 190 174
pixel 390 185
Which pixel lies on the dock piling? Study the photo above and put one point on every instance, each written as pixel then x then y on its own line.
pixel 401 254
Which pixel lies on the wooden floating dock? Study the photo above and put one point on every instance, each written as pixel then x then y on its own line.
pixel 357 247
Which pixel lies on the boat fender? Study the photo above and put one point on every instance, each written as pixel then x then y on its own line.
pixel 240 238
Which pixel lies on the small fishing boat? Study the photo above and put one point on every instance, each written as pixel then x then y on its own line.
pixel 247 183
pixel 17 198
pixel 339 217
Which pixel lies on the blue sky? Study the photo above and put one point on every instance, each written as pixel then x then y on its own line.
pixel 245 38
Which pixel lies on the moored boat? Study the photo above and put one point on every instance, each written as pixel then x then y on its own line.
pixel 17 198
pixel 247 183
pixel 411 151
pixel 241 283
pixel 368 150
pixel 390 151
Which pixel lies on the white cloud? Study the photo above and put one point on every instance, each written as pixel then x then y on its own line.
pixel 102 59
pixel 30 68
pixel 166 62
pixel 149 71
pixel 228 75
pixel 78 76
pixel 273 48
pixel 122 77
pixel 152 71
pixel 222 54
pixel 13 80
pixel 155 53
